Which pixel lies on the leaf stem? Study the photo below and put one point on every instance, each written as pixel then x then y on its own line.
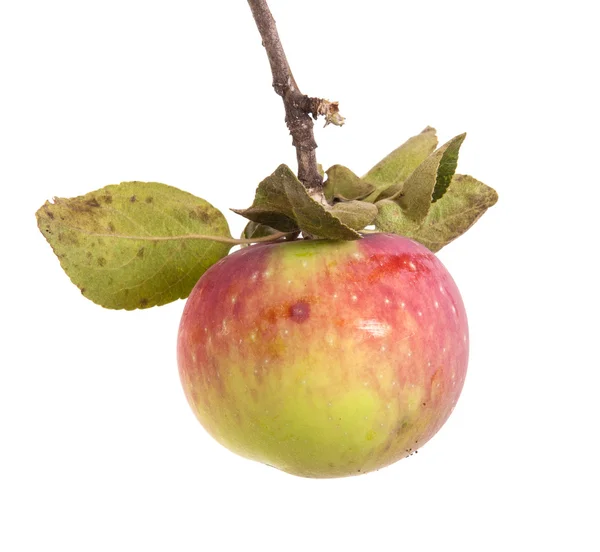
pixel 220 239
pixel 298 107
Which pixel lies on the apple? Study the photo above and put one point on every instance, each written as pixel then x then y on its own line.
pixel 324 358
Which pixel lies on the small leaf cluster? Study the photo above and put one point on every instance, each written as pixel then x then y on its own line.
pixel 413 192
pixel 143 244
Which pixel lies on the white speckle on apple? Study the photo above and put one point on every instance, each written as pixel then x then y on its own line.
pixel 233 299
pixel 256 371
pixel 409 353
pixel 403 305
pixel 335 295
pixel 303 382
pixel 380 376
pixel 453 309
pixel 420 313
pixel 387 301
pixel 254 277
pixel 375 327
pixel 286 332
pixel 389 405
pixel 437 305
pixel 366 384
pixel 205 330
pixel 382 348
pixel 253 336
pixel 412 266
pixel 289 282
pixel 304 264
pixel 354 298
pixel 429 364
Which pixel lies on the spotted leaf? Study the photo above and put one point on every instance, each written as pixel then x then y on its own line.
pixel 135 244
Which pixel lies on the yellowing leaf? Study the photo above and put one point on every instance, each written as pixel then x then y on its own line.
pixel 135 244
pixel 463 204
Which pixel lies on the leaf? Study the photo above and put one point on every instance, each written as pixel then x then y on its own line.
pixel 131 245
pixel 355 214
pixel 447 167
pixel 343 184
pixel 267 217
pixel 417 192
pixel 282 202
pixel 389 174
pixel 271 205
pixel 256 230
pixel 463 204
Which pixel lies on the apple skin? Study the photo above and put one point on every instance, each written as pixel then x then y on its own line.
pixel 324 358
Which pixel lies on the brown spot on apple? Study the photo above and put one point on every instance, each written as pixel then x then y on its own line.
pixel 300 312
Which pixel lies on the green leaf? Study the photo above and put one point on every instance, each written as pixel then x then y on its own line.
pixel 463 204
pixel 267 217
pixel 134 245
pixel 256 230
pixel 389 174
pixel 343 184
pixel 282 202
pixel 447 167
pixel 417 192
pixel 271 205
pixel 355 214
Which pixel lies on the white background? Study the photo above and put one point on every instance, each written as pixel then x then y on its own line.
pixel 98 447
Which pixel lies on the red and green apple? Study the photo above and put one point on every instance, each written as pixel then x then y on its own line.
pixel 324 358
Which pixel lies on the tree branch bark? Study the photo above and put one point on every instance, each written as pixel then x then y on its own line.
pixel 298 107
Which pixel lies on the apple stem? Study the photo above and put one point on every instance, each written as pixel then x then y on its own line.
pixel 298 107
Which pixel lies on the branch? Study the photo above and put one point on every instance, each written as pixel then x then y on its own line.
pixel 298 107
